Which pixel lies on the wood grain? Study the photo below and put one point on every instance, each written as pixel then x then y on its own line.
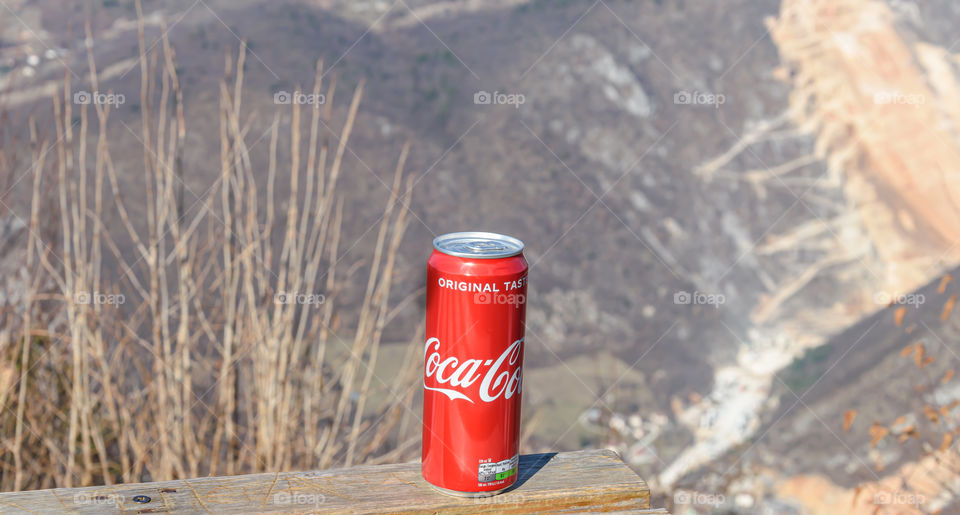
pixel 582 481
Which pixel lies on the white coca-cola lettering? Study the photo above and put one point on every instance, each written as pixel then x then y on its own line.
pixel 497 380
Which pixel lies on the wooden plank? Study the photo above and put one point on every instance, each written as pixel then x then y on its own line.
pixel 555 482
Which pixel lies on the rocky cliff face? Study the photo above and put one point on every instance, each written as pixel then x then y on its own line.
pixel 883 107
pixel 876 92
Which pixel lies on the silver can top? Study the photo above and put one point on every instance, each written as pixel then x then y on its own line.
pixel 478 245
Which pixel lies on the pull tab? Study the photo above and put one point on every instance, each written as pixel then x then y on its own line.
pixel 485 246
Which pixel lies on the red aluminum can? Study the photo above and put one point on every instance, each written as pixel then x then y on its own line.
pixel 473 363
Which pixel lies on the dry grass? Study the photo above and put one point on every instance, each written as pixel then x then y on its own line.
pixel 201 370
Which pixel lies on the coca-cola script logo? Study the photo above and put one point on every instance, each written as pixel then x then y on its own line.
pixel 499 378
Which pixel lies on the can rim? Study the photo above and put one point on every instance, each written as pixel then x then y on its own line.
pixel 513 246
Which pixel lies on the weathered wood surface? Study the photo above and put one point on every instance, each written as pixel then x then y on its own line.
pixel 582 481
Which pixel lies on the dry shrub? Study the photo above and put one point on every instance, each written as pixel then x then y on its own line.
pixel 207 367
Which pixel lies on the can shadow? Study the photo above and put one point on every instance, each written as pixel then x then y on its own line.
pixel 530 464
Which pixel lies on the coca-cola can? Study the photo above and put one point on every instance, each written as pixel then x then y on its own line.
pixel 473 363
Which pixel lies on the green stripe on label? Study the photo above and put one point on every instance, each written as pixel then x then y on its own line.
pixel 505 475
